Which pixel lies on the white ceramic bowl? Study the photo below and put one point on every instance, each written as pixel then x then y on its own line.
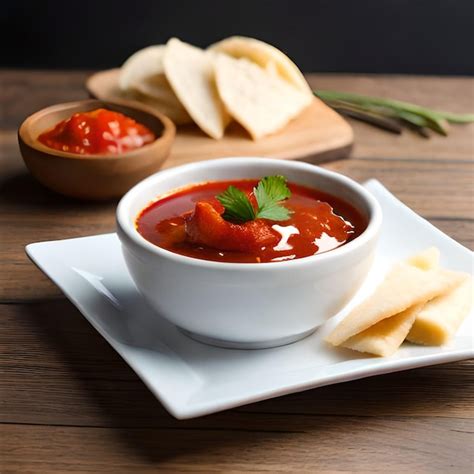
pixel 246 305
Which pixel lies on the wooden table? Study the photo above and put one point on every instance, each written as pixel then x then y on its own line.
pixel 70 404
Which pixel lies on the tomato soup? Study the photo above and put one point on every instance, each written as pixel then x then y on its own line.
pixel 191 222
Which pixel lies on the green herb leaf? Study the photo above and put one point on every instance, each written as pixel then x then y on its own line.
pixel 269 193
pixel 274 212
pixel 236 204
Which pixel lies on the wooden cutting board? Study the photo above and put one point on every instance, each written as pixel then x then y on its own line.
pixel 318 134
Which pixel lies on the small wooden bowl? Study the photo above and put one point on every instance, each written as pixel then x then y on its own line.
pixel 95 177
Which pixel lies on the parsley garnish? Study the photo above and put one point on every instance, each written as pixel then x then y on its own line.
pixel 237 205
pixel 269 193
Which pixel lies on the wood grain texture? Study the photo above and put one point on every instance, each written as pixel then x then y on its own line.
pixel 455 94
pixel 305 444
pixel 68 403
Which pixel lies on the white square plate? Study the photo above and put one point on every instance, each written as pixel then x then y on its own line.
pixel 193 379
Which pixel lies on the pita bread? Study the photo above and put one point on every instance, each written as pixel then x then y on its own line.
pixel 190 73
pixel 266 56
pixel 157 87
pixel 140 65
pixel 177 113
pixel 404 286
pixel 142 77
pixel 386 336
pixel 260 101
pixel 441 317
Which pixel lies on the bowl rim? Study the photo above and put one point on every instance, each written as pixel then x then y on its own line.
pixel 127 226
pixel 169 130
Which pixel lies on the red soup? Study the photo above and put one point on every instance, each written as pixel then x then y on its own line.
pixel 192 221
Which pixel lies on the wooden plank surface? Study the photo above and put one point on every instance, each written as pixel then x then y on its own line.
pixel 454 94
pixel 70 404
pixel 308 444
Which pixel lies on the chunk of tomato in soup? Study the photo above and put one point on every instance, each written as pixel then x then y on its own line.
pixel 206 226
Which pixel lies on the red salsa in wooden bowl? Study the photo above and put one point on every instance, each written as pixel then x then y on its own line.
pixel 249 221
pixel 98 132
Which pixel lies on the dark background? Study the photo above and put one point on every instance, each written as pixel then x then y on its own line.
pixel 381 36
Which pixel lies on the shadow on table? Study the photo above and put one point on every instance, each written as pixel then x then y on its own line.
pixel 116 398
pixel 33 213
pixel 22 189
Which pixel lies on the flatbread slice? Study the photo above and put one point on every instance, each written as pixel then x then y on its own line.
pixel 190 73
pixel 386 336
pixel 260 101
pixel 142 78
pixel 144 63
pixel 177 113
pixel 403 287
pixel 157 87
pixel 266 56
pixel 441 317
